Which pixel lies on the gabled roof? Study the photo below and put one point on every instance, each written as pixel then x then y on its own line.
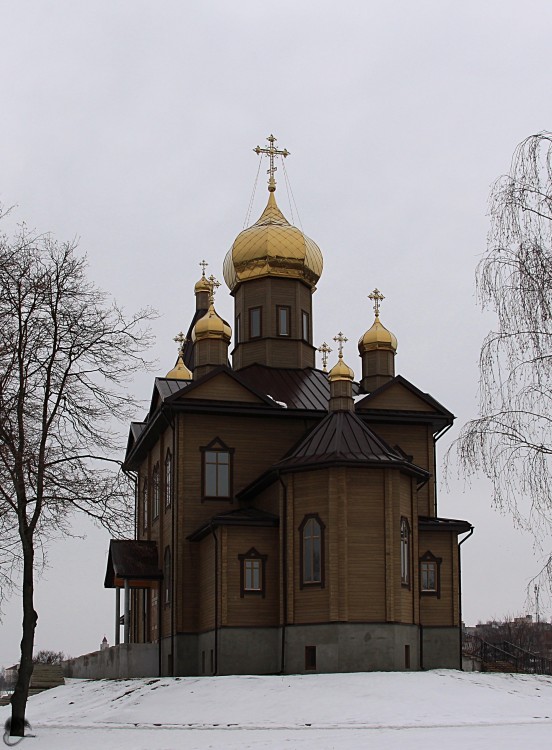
pixel 402 399
pixel 132 560
pixel 298 389
pixel 199 389
pixel 239 517
pixel 342 438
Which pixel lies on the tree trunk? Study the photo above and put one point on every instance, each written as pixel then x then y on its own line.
pixel 30 617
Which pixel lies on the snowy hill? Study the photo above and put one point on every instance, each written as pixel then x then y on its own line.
pixel 307 711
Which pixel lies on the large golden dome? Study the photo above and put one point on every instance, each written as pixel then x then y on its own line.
pixel 272 247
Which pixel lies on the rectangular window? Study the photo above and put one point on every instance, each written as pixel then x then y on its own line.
pixel 168 479
pixel 405 552
pixel 217 473
pixel 305 326
pixel 283 315
pixel 428 575
pixel 252 575
pixel 407 656
pixel 238 329
pixel 255 323
pixel 155 492
pixel 310 657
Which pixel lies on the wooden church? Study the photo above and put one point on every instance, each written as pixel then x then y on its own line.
pixel 286 516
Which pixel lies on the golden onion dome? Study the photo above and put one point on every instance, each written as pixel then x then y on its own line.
pixel 202 285
pixel 180 371
pixel 211 326
pixel 272 247
pixel 377 337
pixel 340 371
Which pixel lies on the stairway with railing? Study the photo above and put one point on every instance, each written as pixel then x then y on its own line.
pixel 504 656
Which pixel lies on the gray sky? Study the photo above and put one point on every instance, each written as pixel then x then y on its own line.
pixel 130 125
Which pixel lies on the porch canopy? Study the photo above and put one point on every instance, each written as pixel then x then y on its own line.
pixel 134 561
pixel 131 564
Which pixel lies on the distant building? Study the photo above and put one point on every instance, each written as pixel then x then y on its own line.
pixel 286 517
pixel 104 644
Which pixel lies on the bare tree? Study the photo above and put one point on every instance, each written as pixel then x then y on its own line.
pixel 65 351
pixel 48 657
pixel 511 440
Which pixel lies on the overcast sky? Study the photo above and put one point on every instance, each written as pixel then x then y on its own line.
pixel 130 125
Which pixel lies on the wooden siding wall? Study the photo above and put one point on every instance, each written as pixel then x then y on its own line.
pixel 273 350
pixel 158 530
pixel 362 510
pixel 444 610
pixel 253 610
pixel 206 583
pixel 416 441
pixel 257 444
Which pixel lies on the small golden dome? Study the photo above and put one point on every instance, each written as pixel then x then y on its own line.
pixel 211 326
pixel 377 337
pixel 202 285
pixel 340 371
pixel 272 247
pixel 180 371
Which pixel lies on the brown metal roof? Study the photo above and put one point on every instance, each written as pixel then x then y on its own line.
pixel 429 523
pixel 239 517
pixel 133 560
pixel 342 437
pixel 298 389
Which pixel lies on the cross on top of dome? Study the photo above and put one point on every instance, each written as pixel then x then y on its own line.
pixel 271 151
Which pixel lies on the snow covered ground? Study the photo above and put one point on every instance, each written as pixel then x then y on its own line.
pixel 381 710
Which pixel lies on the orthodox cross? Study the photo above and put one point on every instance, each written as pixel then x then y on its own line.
pixel 324 349
pixel 340 339
pixel 214 285
pixel 377 297
pixel 271 151
pixel 203 265
pixel 180 340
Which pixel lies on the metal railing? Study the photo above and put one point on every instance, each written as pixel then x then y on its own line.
pixel 505 656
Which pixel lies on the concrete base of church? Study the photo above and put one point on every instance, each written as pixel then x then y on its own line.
pixel 351 647
pixel 441 648
pixel 332 647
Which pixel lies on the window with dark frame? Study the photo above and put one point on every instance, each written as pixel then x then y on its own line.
pixel 283 318
pixel 405 552
pixel 145 503
pixel 311 546
pixel 255 322
pixel 430 575
pixel 305 325
pixel 167 577
pixel 168 479
pixel 155 492
pixel 217 470
pixel 238 329
pixel 252 573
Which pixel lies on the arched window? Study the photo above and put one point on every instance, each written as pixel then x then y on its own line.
pixel 168 479
pixel 145 503
pixel 405 552
pixel 167 576
pixel 312 551
pixel 155 492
